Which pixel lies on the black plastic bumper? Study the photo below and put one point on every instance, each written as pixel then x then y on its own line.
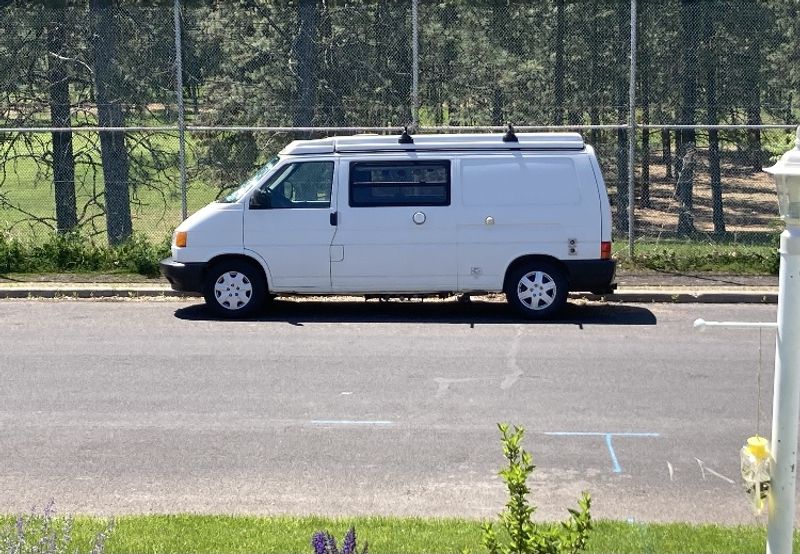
pixel 184 277
pixel 595 276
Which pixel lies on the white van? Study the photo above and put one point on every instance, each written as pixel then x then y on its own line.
pixel 526 214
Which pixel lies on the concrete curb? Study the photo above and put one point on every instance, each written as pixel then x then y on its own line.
pixel 710 295
pixel 676 296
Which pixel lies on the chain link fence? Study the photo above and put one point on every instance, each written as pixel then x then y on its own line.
pixel 93 116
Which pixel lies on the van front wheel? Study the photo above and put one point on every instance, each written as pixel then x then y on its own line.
pixel 235 289
pixel 537 290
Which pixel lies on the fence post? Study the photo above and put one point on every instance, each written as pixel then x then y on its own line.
pixel 632 132
pixel 179 95
pixel 414 64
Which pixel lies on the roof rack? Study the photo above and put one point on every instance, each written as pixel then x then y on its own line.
pixel 439 142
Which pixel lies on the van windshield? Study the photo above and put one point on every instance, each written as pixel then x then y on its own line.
pixel 244 187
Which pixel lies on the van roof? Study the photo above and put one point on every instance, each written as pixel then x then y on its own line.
pixel 451 142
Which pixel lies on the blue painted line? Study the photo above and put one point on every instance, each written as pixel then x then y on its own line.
pixel 615 467
pixel 348 422
pixel 596 434
pixel 614 461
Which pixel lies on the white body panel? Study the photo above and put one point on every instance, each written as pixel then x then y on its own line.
pixel 542 196
pixel 384 250
pixel 533 202
pixel 214 230
pixel 294 242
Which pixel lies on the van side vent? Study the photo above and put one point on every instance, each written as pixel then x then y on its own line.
pixel 510 136
pixel 405 138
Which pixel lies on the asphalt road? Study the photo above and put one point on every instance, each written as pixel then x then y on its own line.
pixel 357 408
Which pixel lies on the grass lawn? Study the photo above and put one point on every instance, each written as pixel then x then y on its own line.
pixel 182 534
pixel 27 205
pixel 701 256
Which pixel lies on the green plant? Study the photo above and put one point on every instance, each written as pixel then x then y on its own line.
pixel 45 534
pixel 324 543
pixel 522 536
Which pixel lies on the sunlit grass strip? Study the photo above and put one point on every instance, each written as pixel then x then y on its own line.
pixel 684 256
pixel 217 534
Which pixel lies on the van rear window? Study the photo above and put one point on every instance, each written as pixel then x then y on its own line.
pixel 423 183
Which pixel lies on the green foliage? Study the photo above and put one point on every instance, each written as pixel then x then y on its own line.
pixel 72 252
pixel 683 256
pixel 46 534
pixel 522 536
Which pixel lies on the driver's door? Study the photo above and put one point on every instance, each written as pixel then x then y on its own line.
pixel 287 222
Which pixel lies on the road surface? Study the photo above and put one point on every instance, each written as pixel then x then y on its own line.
pixel 341 408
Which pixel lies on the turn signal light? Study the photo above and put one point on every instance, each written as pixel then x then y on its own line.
pixel 180 239
pixel 605 250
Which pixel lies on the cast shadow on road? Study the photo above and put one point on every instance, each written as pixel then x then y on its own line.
pixel 475 312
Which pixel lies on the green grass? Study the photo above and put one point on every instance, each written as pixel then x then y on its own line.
pixel 205 534
pixel 155 195
pixel 676 255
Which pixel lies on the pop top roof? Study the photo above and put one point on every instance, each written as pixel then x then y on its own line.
pixel 452 142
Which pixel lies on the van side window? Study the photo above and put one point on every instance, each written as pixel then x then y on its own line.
pixel 418 183
pixel 297 185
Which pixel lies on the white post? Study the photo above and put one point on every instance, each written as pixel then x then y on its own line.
pixel 786 400
pixel 179 94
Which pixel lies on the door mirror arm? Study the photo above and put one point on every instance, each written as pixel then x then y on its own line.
pixel 261 200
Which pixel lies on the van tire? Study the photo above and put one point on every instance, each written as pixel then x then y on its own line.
pixel 537 290
pixel 235 289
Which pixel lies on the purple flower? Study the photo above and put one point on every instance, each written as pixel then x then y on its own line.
pixel 332 545
pixel 349 545
pixel 319 542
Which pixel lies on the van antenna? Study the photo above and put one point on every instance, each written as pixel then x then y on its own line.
pixel 405 138
pixel 510 136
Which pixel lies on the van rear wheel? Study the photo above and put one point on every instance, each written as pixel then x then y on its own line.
pixel 235 289
pixel 537 290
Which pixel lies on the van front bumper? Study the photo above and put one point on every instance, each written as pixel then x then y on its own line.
pixel 596 276
pixel 184 277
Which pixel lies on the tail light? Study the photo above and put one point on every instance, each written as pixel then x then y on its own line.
pixel 605 250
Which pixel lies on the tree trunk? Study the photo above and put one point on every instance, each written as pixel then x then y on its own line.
pixel 753 63
pixel 108 89
pixel 305 57
pixel 622 103
pixel 497 107
pixel 63 157
pixel 690 42
pixel 666 151
pixel 594 79
pixel 558 71
pixel 754 135
pixel 713 119
pixel 644 59
pixel 684 192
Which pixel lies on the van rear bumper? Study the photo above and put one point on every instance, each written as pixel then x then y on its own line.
pixel 595 276
pixel 184 277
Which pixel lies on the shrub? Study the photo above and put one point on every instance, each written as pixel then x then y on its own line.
pixel 521 536
pixel 73 252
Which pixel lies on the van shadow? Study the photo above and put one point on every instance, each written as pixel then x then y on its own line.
pixel 475 312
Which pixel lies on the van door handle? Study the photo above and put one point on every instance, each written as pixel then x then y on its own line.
pixel 335 219
pixel 418 218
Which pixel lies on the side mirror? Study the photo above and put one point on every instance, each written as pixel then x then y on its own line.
pixel 260 200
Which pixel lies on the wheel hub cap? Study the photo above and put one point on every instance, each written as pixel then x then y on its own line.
pixel 233 290
pixel 536 290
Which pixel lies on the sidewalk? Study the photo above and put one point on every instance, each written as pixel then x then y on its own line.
pixel 633 287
